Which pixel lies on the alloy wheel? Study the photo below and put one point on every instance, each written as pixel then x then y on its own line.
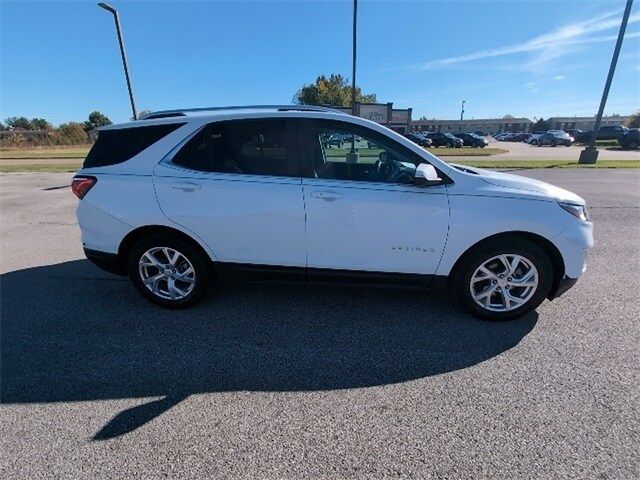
pixel 167 273
pixel 504 282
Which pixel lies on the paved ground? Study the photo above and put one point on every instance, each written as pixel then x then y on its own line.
pixel 524 151
pixel 294 382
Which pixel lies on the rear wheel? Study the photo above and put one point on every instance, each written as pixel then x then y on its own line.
pixel 553 143
pixel 503 279
pixel 169 272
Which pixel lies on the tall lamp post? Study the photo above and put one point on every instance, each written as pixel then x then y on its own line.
pixel 590 154
pixel 353 63
pixel 353 73
pixel 462 102
pixel 123 53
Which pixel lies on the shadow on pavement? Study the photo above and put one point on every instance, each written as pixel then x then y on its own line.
pixel 72 333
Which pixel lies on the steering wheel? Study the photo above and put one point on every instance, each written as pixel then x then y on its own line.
pixel 384 167
pixel 389 171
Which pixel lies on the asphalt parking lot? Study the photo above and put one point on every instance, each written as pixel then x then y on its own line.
pixel 295 382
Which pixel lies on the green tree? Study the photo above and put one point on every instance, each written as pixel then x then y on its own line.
pixel 40 124
pixel 18 123
pixel 96 119
pixel 634 121
pixel 541 125
pixel 71 133
pixel 334 91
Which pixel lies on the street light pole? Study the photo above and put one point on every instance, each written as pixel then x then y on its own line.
pixel 461 114
pixel 590 154
pixel 353 70
pixel 353 65
pixel 123 53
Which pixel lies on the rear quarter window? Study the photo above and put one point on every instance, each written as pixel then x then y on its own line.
pixel 115 146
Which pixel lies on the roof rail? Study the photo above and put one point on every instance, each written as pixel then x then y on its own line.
pixel 282 108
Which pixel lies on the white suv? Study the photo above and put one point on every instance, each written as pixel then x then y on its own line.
pixel 186 197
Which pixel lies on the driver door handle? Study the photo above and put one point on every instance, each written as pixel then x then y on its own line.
pixel 326 195
pixel 186 186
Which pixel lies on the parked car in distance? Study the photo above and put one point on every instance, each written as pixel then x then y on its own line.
pixel 337 140
pixel 195 199
pixel 555 137
pixel 630 139
pixel 506 136
pixel 440 139
pixel 419 139
pixel 605 132
pixel 533 138
pixel 521 137
pixel 574 132
pixel 471 140
pixel 480 133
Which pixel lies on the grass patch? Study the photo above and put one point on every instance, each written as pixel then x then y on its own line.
pixel 466 151
pixel 480 163
pixel 52 152
pixel 532 163
pixel 42 168
pixel 602 143
pixel 439 152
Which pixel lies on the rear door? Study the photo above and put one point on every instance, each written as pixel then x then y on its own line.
pixel 237 185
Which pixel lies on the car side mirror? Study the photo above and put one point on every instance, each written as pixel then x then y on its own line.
pixel 426 175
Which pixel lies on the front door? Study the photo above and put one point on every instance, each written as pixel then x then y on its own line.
pixel 364 212
pixel 236 186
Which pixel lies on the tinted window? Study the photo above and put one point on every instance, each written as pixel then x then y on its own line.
pixel 119 145
pixel 253 147
pixel 342 151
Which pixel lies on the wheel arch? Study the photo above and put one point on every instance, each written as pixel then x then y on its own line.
pixel 133 236
pixel 547 246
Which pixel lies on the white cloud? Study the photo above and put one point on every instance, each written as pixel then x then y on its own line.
pixel 546 47
pixel 559 77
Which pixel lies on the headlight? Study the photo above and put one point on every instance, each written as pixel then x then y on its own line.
pixel 578 211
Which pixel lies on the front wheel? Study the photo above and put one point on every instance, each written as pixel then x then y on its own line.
pixel 503 279
pixel 169 272
pixel 553 143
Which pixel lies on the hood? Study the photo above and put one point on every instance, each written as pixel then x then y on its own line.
pixel 524 184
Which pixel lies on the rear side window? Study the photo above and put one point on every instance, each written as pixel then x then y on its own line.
pixel 119 145
pixel 251 147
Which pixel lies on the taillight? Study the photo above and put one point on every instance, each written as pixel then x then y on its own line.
pixel 80 185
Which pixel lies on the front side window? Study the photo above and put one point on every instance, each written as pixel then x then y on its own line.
pixel 251 147
pixel 342 151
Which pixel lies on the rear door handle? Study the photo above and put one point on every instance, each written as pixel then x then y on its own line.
pixel 186 186
pixel 328 196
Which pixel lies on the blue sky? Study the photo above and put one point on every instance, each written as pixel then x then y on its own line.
pixel 60 60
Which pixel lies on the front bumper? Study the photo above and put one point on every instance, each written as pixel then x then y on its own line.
pixel 574 243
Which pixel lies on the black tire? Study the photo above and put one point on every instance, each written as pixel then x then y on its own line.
pixel 507 245
pixel 198 259
pixel 553 143
pixel 633 145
